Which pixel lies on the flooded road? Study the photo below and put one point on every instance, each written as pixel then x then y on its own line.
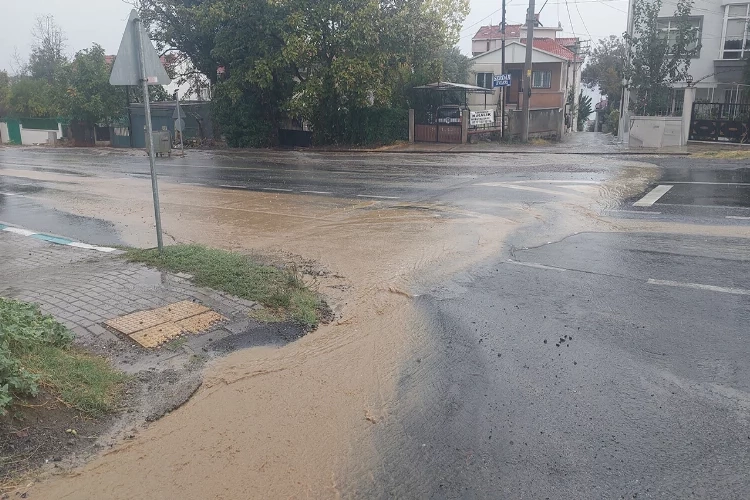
pixel 435 379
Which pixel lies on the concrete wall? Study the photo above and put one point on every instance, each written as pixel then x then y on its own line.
pixel 31 137
pixel 4 137
pixel 542 122
pixel 655 131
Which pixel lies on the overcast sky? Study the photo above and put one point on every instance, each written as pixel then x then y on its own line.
pixel 102 21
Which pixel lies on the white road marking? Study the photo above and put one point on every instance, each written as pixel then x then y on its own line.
pixel 535 265
pixel 519 187
pixel 375 196
pixel 9 194
pixel 699 286
pixel 647 212
pixel 739 217
pixel 18 230
pixel 556 181
pixel 653 196
pixel 91 247
pixel 231 186
pixel 277 189
pixel 714 183
pixel 317 192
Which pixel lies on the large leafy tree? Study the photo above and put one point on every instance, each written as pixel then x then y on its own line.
pixel 605 68
pixel 91 98
pixel 658 59
pixel 317 61
pixel 48 50
pixel 36 98
pixel 4 91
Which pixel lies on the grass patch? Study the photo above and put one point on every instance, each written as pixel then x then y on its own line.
pixel 36 351
pixel 723 155
pixel 85 382
pixel 279 290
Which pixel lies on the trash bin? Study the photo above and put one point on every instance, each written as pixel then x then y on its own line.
pixel 162 143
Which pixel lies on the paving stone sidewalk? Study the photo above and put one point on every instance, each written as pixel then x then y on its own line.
pixel 83 288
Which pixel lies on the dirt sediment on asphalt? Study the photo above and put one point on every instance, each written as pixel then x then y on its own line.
pixel 282 422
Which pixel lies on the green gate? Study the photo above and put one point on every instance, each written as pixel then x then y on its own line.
pixel 14 131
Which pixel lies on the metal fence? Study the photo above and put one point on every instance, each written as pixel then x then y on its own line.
pixel 716 121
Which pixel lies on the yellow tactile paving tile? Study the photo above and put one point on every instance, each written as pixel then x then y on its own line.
pixel 156 335
pixel 199 323
pixel 141 320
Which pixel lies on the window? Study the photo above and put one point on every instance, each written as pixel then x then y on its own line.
pixel 669 26
pixel 484 80
pixel 736 39
pixel 541 79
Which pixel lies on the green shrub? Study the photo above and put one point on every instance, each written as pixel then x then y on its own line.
pixel 36 350
pixel 368 126
pixel 613 121
pixel 23 327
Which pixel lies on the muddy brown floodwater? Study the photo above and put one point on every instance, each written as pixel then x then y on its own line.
pixel 281 422
pixel 287 422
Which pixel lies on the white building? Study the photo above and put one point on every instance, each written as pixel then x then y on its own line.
pixel 717 69
pixel 556 70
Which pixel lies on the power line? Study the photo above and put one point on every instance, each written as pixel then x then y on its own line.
pixel 570 18
pixel 584 22
pixel 485 17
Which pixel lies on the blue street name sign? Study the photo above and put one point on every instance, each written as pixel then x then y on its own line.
pixel 501 80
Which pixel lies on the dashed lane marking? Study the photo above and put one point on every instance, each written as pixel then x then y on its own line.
pixel 317 192
pixel 535 265
pixel 653 196
pixel 277 189
pixel 377 196
pixel 647 212
pixel 738 217
pixel 699 286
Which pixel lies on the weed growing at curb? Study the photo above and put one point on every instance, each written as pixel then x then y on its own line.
pixel 36 351
pixel 281 291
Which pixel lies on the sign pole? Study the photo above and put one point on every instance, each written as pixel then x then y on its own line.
pixel 151 153
pixel 502 70
pixel 182 129
pixel 530 21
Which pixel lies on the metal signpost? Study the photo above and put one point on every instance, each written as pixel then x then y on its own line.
pixel 137 63
pixel 179 123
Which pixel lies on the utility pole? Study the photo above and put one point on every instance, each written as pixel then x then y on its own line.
pixel 530 21
pixel 502 72
pixel 574 107
pixel 625 100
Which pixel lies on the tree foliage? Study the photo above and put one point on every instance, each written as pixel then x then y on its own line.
pixel 605 68
pixel 47 58
pixel 91 98
pixel 4 91
pixel 319 62
pixel 36 98
pixel 658 60
pixel 584 110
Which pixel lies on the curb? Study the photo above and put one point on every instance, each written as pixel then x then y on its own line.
pixel 494 152
pixel 57 240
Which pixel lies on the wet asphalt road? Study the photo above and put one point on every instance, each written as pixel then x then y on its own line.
pixel 646 395
pixel 566 373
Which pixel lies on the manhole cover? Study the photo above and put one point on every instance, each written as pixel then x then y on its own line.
pixel 154 327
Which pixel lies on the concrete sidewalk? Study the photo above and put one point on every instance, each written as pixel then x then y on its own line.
pixel 83 288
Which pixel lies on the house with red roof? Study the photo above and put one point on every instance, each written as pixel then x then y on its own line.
pixel 556 72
